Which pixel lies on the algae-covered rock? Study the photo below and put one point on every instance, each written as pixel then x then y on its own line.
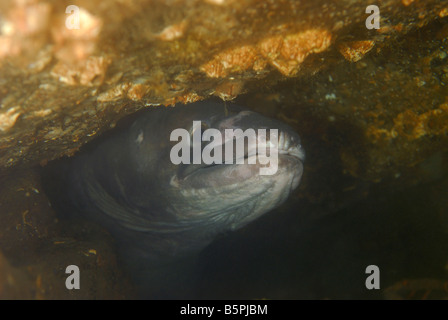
pixel 70 71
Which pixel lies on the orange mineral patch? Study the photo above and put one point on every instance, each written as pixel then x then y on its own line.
pixel 354 51
pixel 285 53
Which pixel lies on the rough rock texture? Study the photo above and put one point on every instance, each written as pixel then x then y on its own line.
pixel 59 87
pixel 36 248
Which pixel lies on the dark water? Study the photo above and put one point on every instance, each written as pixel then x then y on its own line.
pixel 292 254
pixel 282 257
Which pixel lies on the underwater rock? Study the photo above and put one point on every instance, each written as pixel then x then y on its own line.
pixel 36 248
pixel 63 80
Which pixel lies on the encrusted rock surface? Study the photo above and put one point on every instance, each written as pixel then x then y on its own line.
pixel 36 248
pixel 59 87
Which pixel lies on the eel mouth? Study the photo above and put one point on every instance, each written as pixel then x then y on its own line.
pixel 288 147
